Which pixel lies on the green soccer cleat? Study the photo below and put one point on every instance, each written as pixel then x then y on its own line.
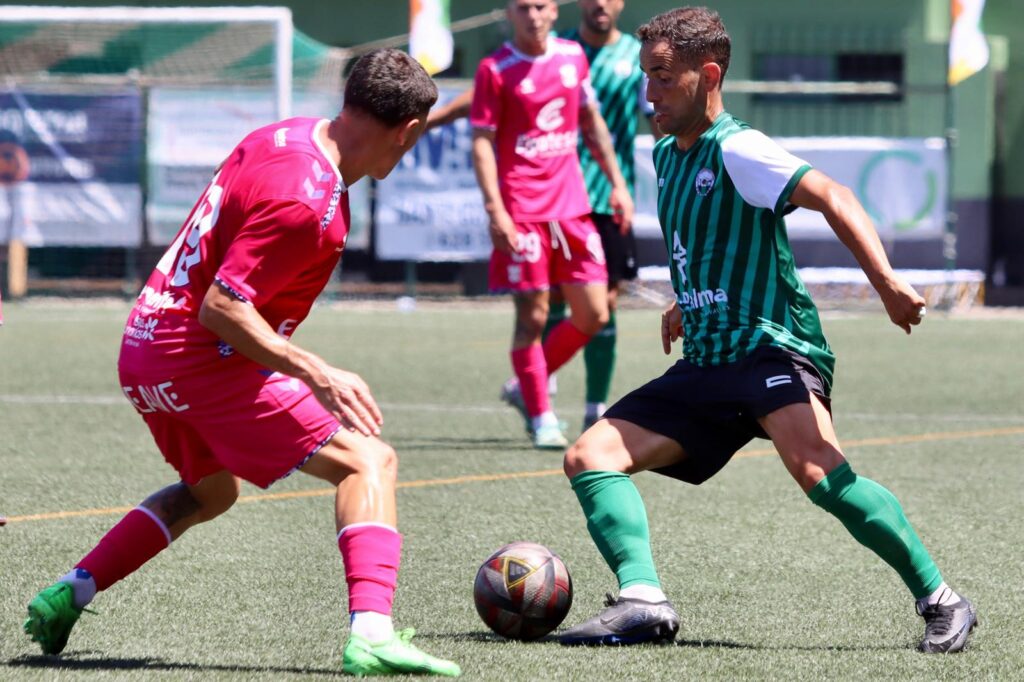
pixel 396 656
pixel 51 615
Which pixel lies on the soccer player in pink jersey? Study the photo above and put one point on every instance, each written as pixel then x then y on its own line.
pixel 531 100
pixel 207 362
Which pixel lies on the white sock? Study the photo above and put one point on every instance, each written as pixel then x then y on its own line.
pixel 82 584
pixel 372 626
pixel 645 592
pixel 943 594
pixel 546 419
pixel 595 410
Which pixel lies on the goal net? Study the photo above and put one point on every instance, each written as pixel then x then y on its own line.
pixel 113 118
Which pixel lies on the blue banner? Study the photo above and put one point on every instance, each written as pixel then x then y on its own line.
pixel 70 168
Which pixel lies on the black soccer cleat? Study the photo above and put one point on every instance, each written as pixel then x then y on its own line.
pixel 626 621
pixel 947 626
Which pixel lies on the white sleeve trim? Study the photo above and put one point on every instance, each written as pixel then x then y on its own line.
pixel 760 169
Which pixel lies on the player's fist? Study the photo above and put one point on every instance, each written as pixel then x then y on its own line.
pixel 504 236
pixel 904 305
pixel 671 326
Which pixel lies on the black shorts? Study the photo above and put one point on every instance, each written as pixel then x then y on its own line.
pixel 619 249
pixel 713 411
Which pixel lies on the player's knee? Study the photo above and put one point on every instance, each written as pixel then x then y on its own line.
pixel 215 502
pixel 810 470
pixel 583 455
pixel 377 459
pixel 591 322
pixel 530 325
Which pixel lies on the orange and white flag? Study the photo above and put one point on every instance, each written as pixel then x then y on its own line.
pixel 968 50
pixel 430 34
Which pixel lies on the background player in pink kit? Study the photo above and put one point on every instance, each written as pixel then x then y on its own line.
pixel 206 361
pixel 531 100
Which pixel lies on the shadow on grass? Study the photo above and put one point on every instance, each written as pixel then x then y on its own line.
pixel 484 636
pixel 725 644
pixel 76 661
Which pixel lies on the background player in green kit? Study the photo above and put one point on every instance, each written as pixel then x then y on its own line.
pixel 620 86
pixel 618 82
pixel 756 363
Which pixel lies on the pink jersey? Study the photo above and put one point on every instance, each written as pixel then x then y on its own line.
pixel 270 227
pixel 533 105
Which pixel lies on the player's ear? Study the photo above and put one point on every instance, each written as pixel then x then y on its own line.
pixel 409 131
pixel 712 75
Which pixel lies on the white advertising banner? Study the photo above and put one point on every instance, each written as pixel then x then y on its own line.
pixel 430 209
pixel 191 131
pixel 901 182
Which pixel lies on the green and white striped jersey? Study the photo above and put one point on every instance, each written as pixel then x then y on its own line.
pixel 721 205
pixel 619 84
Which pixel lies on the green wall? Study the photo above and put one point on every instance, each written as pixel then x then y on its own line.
pixel 987 109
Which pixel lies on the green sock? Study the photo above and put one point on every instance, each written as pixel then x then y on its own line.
pixel 875 518
pixel 617 521
pixel 599 358
pixel 556 313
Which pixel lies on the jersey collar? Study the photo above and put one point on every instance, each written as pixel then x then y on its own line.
pixel 315 137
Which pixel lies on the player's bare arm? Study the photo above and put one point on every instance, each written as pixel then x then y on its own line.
pixel 343 394
pixel 671 326
pixel 599 141
pixel 502 229
pixel 850 222
pixel 451 111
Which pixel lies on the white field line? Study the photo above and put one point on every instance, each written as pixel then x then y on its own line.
pixel 114 399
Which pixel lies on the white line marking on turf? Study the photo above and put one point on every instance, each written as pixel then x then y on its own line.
pixel 116 399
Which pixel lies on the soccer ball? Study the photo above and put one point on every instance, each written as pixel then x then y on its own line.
pixel 523 591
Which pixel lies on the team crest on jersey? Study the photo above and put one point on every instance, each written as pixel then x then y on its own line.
pixel 705 181
pixel 550 116
pixel 527 87
pixel 569 77
pixel 623 68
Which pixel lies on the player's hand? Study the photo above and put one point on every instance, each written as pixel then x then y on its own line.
pixel 671 326
pixel 504 235
pixel 905 306
pixel 622 207
pixel 346 396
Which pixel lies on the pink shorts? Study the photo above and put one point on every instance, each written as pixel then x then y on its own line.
pixel 258 425
pixel 550 253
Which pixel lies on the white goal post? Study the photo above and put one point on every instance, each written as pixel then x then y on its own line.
pixel 280 18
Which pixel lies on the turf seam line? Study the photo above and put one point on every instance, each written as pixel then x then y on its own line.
pixel 483 478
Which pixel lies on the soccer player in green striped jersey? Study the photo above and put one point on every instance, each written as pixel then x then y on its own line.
pixel 755 364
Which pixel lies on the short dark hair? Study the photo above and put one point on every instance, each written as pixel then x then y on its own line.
pixel 695 33
pixel 391 86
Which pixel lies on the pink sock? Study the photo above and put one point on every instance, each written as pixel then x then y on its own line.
pixel 562 343
pixel 371 553
pixel 532 372
pixel 136 539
